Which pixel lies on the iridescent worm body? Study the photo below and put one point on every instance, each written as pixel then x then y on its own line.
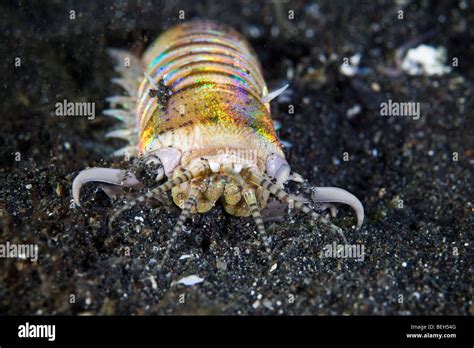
pixel 198 105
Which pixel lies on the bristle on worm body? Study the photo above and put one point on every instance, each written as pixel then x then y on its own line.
pixel 198 104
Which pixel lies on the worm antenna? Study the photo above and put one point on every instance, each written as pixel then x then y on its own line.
pixel 337 195
pixel 285 198
pixel 106 175
pixel 187 175
pixel 193 195
pixel 251 200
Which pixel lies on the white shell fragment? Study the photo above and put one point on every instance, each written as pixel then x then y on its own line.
pixel 274 267
pixel 356 109
pixel 186 256
pixel 426 60
pixel 351 66
pixel 153 282
pixel 190 280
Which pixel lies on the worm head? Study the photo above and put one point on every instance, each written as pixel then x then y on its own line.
pixel 210 190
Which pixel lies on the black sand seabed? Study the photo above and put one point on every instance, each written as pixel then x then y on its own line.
pixel 416 255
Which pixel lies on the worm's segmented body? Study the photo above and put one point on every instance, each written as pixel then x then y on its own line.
pixel 198 105
pixel 208 82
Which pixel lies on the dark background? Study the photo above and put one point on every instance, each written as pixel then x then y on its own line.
pixel 409 251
